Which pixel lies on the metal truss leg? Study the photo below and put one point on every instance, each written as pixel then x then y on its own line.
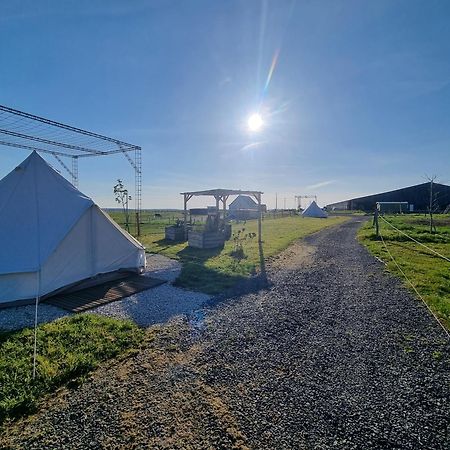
pixel 138 188
pixel 75 171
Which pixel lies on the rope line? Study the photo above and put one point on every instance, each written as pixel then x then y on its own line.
pixel 416 241
pixel 415 290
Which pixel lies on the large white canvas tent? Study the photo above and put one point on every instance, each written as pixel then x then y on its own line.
pixel 314 211
pixel 53 236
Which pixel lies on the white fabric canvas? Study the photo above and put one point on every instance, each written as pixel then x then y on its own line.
pixel 52 235
pixel 314 211
pixel 243 202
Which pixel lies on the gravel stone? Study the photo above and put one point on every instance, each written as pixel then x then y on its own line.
pixel 156 305
pixel 333 353
pixel 159 304
pixel 23 316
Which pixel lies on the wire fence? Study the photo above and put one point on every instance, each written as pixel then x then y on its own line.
pixel 408 280
pixel 415 240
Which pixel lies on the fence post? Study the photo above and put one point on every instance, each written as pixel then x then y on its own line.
pixel 375 221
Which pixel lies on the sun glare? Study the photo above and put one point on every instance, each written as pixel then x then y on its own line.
pixel 255 122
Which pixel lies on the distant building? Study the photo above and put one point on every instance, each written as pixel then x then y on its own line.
pixel 244 207
pixel 418 198
pixel 394 207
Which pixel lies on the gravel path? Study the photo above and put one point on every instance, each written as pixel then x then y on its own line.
pixel 335 354
pixel 156 305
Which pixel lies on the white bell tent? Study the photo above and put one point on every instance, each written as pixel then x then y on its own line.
pixel 314 211
pixel 52 236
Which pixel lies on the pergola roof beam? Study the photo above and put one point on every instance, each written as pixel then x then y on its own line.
pixel 222 192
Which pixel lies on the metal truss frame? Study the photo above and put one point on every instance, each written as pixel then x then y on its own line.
pixel 19 129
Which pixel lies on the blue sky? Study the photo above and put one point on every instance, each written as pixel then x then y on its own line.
pixel 359 100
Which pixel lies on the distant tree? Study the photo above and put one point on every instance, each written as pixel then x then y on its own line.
pixel 122 197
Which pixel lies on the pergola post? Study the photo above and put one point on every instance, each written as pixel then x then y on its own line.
pixel 186 196
pixel 185 214
pixel 185 208
pixel 258 198
pixel 224 201
pixel 217 197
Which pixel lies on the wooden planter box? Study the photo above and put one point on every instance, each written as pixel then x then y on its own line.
pixel 173 233
pixel 201 239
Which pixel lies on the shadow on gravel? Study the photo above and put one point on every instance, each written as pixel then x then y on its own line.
pixel 262 262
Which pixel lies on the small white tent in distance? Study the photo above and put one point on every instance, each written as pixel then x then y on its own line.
pixel 52 236
pixel 314 211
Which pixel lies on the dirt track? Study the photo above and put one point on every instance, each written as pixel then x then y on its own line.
pixel 334 354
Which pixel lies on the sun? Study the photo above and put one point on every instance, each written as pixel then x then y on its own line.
pixel 255 122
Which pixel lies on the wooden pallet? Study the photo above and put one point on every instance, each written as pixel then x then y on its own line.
pixel 105 293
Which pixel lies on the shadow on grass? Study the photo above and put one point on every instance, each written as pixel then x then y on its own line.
pixel 163 245
pixel 245 285
pixel 5 335
pixel 196 275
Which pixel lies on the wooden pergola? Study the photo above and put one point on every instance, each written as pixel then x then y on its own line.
pixel 221 195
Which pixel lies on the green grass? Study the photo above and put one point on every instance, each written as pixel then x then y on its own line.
pixel 214 270
pixel 68 349
pixel 149 223
pixel 429 274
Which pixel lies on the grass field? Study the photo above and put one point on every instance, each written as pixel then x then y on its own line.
pixel 429 274
pixel 152 222
pixel 212 271
pixel 67 349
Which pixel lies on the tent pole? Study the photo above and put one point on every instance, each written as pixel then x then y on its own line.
pixel 35 323
pixel 38 287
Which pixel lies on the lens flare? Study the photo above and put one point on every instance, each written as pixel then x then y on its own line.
pixel 271 70
pixel 255 122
